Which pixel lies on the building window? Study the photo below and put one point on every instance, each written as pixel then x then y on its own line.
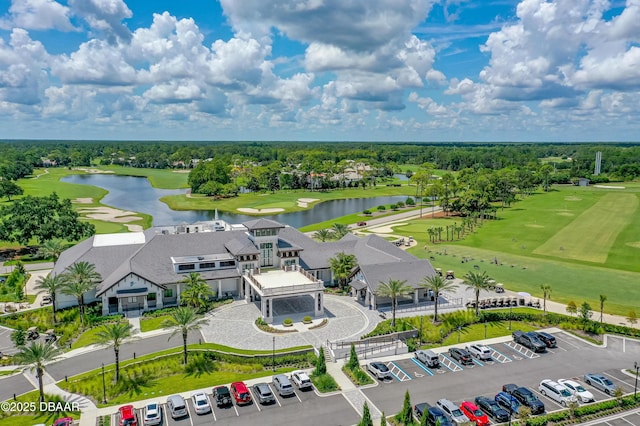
pixel 227 263
pixel 151 297
pixel 266 250
pixel 247 266
pixel 188 267
pixel 168 293
pixel 207 265
pixel 133 299
pixel 289 262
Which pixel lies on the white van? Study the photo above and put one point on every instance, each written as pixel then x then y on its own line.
pixel 557 392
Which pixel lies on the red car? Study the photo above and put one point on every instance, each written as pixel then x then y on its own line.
pixel 472 411
pixel 127 416
pixel 65 421
pixel 240 393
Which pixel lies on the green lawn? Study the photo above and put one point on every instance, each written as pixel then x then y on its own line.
pixel 476 332
pixel 153 323
pixel 354 218
pixel 87 338
pixel 592 234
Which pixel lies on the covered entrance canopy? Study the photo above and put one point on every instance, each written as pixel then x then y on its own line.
pixel 281 283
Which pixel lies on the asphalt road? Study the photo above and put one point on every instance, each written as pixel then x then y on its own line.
pixel 94 359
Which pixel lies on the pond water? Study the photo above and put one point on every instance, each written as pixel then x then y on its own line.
pixel 137 194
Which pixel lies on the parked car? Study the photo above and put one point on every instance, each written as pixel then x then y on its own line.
pixel 177 407
pixel 435 416
pixel 557 392
pixel 492 408
pixel 529 340
pixel 152 414
pixel 301 380
pixel 240 393
pixel 509 387
pixel 428 358
pixel 576 389
pixel 480 352
pixel 46 299
pixel 460 355
pixel 127 415
pixel 527 398
pixel 63 421
pixel 362 223
pixel 600 382
pixel 200 402
pixel 455 414
pixel 379 370
pixel 222 396
pixel 546 338
pixel 508 402
pixel 283 385
pixel 263 393
pixel 474 413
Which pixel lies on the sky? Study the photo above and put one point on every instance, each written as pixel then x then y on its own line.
pixel 320 70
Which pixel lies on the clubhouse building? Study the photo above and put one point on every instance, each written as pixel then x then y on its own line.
pixel 261 261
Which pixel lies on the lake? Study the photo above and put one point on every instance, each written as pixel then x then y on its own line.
pixel 137 194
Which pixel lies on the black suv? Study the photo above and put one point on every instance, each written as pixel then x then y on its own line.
pixel 435 416
pixel 529 340
pixel 526 397
pixel 492 408
pixel 546 338
pixel 222 396
pixel 461 355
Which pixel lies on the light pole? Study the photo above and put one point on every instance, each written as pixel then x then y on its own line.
pixel 459 329
pixel 420 333
pixel 104 387
pixel 510 312
pixel 485 329
pixel 635 388
pixel 273 356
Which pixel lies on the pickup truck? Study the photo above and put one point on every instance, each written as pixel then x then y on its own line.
pixel 529 340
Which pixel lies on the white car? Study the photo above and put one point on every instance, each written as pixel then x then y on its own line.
pixel 201 403
pixel 301 379
pixel 479 352
pixel 379 370
pixel 576 389
pixel 152 414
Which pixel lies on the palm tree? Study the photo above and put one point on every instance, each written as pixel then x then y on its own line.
pixel 546 294
pixel 393 289
pixel 52 248
pixel 115 335
pixel 323 234
pixel 80 278
pixel 341 266
pixel 183 320
pixel 438 285
pixel 340 230
pixel 197 292
pixel 603 299
pixel 51 284
pixel 36 355
pixel 476 281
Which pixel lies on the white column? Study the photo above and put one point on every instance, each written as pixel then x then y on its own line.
pixel 178 294
pixel 416 296
pixel 105 305
pixel 160 298
pixel 145 304
pixel 318 304
pixel 373 301
pixel 119 305
pixel 219 289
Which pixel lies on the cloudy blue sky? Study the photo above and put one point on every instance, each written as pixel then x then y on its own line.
pixel 406 70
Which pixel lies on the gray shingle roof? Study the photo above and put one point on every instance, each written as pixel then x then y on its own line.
pixel 262 224
pixel 413 272
pixel 237 247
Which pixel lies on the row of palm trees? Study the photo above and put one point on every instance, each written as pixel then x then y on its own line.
pixel 394 289
pixel 38 354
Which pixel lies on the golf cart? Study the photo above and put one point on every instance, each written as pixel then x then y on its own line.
pixel 450 275
pixel 499 288
pixel 32 333
pixel 50 336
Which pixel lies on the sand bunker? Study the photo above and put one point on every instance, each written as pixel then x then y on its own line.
pixel 571 198
pixel 565 214
pixel 608 187
pixel 304 202
pixel 109 214
pixel 90 170
pixel 635 244
pixel 259 211
pixel 182 171
pixel 82 200
pixel 134 228
pixel 533 225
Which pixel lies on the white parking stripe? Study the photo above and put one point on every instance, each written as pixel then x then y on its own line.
pixel 189 411
pixel 212 404
pixel 626 420
pixel 255 400
pixel 299 400
pixel 568 343
pixel 275 395
pixel 236 410
pixel 616 379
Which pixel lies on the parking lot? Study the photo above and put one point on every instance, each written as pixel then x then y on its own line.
pixel 283 410
pixel 510 363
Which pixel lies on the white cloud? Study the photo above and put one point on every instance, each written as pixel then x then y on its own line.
pixel 104 17
pixel 37 15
